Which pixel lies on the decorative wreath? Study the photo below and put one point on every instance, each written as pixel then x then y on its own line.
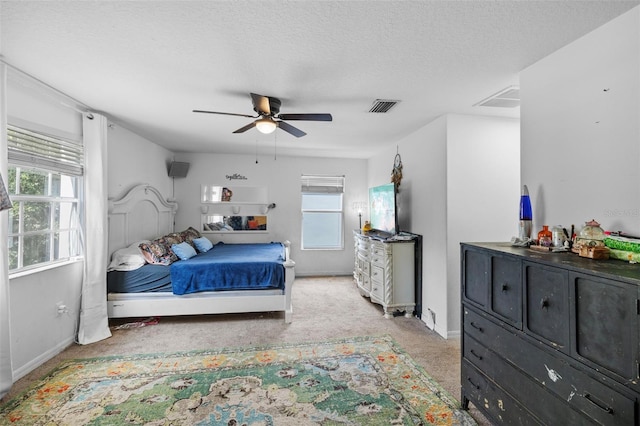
pixel 396 173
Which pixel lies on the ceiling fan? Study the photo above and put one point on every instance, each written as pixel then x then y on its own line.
pixel 269 117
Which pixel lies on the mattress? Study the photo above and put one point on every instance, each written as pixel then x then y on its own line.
pixel 148 278
pixel 226 267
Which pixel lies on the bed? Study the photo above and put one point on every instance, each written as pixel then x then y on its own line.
pixel 227 278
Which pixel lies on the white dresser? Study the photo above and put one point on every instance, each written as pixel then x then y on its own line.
pixel 385 272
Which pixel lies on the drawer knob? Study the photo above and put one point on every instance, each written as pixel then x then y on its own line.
pixel 505 287
pixel 544 303
pixel 598 404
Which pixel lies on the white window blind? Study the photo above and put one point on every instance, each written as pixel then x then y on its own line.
pixel 322 184
pixel 36 150
pixel 322 216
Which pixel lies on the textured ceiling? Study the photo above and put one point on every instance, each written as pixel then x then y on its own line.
pixel 148 64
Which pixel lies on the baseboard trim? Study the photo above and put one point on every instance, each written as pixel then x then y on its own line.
pixel 41 359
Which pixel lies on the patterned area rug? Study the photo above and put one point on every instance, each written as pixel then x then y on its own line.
pixel 360 381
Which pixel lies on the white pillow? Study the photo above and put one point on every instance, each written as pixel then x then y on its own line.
pixel 128 258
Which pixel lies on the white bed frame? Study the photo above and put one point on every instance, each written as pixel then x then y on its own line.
pixel 143 214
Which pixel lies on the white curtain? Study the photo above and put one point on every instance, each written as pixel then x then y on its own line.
pixel 94 324
pixel 6 370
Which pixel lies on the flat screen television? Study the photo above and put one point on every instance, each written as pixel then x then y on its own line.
pixel 383 211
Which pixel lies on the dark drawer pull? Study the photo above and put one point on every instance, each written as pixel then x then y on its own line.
pixel 473 384
pixel 598 404
pixel 505 287
pixel 544 303
pixel 472 352
pixel 477 327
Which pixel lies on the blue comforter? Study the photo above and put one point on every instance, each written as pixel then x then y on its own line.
pixel 231 267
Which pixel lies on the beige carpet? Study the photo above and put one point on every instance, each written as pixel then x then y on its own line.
pixel 324 308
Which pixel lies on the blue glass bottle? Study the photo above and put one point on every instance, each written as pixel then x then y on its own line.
pixel 526 214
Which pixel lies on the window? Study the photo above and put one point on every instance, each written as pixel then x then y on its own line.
pixel 322 215
pixel 44 184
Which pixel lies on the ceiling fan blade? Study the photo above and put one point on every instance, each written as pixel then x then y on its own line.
pixel 261 104
pixel 225 113
pixel 307 117
pixel 245 128
pixel 290 129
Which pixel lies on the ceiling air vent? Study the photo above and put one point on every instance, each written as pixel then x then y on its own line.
pixel 382 105
pixel 506 98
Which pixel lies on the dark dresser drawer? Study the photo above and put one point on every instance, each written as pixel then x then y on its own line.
pixel 475 285
pixel 582 393
pixel 501 408
pixel 547 304
pixel 506 289
pixel 606 321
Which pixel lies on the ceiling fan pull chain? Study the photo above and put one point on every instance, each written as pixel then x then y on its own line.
pixel 275 145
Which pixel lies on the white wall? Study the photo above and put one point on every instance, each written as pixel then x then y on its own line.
pixel 37 331
pixel 483 191
pixel 134 160
pixel 581 130
pixel 461 183
pixel 281 177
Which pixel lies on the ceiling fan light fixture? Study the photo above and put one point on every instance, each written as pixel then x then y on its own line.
pixel 266 125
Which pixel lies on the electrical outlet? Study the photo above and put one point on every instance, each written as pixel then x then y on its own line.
pixel 61 308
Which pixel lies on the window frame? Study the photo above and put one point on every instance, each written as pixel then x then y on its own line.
pixel 20 164
pixel 322 185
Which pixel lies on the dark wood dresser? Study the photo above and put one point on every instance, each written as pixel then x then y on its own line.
pixel 549 338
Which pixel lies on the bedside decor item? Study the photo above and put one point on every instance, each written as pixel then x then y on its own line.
pixel 396 173
pixel 590 241
pixel 226 194
pixel 545 236
pixel 526 215
pixel 361 380
pixel 591 234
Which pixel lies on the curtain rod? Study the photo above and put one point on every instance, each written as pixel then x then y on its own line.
pixel 77 105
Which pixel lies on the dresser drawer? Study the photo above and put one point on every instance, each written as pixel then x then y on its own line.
pixel 378 249
pixel 506 289
pixel 364 281
pixel 521 388
pixel 379 260
pixel 484 394
pixel 377 283
pixel 363 243
pixel 547 304
pixel 475 277
pixel 581 392
pixel 364 265
pixel 377 274
pixel 363 252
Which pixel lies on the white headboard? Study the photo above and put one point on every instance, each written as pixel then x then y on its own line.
pixel 142 214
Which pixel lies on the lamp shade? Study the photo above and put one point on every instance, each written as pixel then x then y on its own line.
pixel 265 125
